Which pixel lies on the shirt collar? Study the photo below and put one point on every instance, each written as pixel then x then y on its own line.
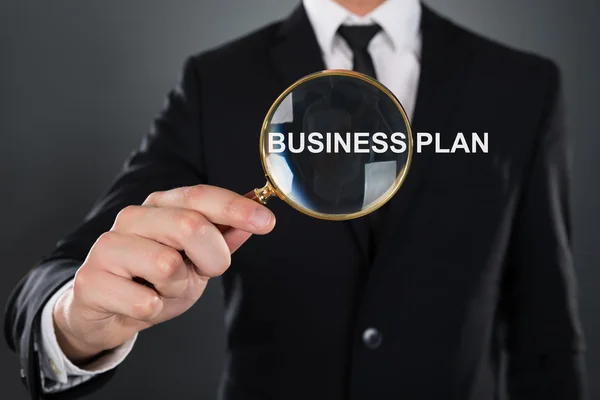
pixel 400 20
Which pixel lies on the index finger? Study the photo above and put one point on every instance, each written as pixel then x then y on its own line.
pixel 219 206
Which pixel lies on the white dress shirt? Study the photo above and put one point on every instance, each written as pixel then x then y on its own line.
pixel 395 51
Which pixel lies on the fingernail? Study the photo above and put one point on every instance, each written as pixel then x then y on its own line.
pixel 261 217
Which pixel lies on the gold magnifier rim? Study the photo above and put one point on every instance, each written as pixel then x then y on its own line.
pixel 335 217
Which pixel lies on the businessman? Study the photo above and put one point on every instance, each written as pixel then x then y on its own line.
pixel 471 258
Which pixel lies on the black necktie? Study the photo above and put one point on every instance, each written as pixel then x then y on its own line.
pixel 358 39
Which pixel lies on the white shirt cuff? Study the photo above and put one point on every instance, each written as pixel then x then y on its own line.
pixel 57 367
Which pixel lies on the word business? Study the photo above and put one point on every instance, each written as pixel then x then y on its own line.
pixel 335 142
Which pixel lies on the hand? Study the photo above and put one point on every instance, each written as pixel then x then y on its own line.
pixel 106 307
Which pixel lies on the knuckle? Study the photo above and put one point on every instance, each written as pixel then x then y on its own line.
pixel 167 262
pixel 192 224
pixel 195 193
pixel 221 262
pixel 145 309
pixel 152 198
pixel 125 215
pixel 105 241
pixel 81 281
pixel 225 261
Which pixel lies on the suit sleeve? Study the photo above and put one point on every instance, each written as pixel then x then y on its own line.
pixel 170 156
pixel 544 340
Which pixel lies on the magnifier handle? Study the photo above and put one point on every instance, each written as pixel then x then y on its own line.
pixel 252 196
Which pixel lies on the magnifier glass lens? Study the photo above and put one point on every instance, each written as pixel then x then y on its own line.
pixel 336 145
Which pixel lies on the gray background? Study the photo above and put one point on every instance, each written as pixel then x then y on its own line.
pixel 81 80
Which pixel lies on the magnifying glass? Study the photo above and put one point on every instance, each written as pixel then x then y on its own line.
pixel 335 145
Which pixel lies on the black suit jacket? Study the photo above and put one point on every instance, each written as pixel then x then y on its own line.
pixel 475 258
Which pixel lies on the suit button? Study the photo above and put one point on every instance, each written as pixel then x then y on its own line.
pixel 372 338
pixel 22 373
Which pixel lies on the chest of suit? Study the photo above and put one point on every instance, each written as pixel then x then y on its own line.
pixel 310 281
pixel 304 295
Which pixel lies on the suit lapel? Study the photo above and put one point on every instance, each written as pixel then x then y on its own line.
pixel 444 62
pixel 296 52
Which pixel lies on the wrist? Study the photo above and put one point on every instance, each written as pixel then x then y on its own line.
pixel 73 347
